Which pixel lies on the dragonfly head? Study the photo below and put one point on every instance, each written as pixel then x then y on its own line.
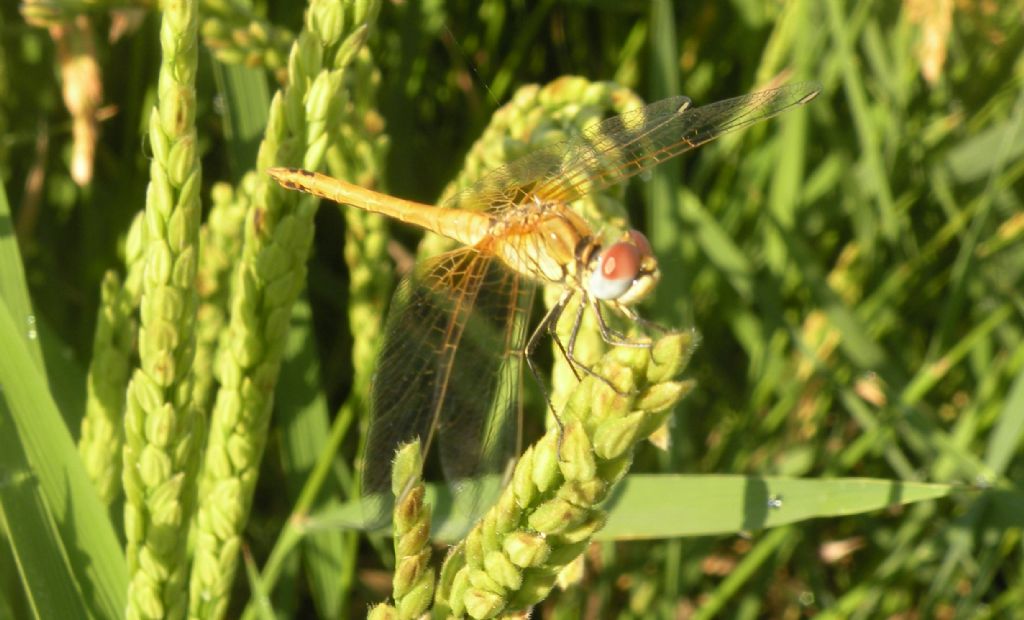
pixel 625 271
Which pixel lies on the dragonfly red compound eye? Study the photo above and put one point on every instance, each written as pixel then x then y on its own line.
pixel 640 241
pixel 616 269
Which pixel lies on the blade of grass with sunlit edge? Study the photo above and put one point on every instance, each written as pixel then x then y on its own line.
pixel 97 560
pixel 47 578
pixel 13 289
pixel 651 506
pixel 679 505
pixel 1004 440
pixel 63 373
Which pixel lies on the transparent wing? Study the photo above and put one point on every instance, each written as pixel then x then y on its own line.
pixel 449 371
pixel 481 415
pixel 613 150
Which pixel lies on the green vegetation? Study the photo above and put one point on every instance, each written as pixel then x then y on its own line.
pixel 186 349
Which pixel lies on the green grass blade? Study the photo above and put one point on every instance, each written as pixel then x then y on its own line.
pixel 664 227
pixel 97 560
pixel 971 159
pixel 65 375
pixel 717 245
pixel 1004 440
pixel 304 431
pixel 670 506
pixel 1005 509
pixel 856 341
pixel 13 288
pixel 246 104
pixel 762 553
pixel 260 597
pixel 39 553
pixel 64 372
pixel 874 172
pixel 680 505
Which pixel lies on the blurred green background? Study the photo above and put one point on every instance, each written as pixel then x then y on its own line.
pixel 855 270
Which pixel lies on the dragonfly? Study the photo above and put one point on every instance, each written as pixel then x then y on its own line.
pixel 457 333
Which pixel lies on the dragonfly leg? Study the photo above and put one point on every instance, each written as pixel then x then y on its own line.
pixel 549 323
pixel 545 325
pixel 630 313
pixel 648 326
pixel 616 338
pixel 570 349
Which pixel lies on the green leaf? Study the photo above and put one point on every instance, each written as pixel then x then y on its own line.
pixel 671 506
pixel 246 109
pixel 679 505
pixel 1004 441
pixel 13 289
pixel 39 553
pixel 305 429
pixel 1005 509
pixel 972 158
pixel 97 561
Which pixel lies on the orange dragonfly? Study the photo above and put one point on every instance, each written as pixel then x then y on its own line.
pixel 457 331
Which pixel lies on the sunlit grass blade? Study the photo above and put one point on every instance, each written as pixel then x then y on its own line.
pixel 677 505
pixel 42 559
pixel 680 505
pixel 13 288
pixel 97 563
pixel 717 245
pixel 1004 439
pixel 246 101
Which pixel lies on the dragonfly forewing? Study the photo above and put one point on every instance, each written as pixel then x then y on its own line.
pixel 626 145
pixel 609 152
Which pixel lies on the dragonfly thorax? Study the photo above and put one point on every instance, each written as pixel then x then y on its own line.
pixel 542 244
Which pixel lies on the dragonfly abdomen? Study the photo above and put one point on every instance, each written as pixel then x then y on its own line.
pixel 465 226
